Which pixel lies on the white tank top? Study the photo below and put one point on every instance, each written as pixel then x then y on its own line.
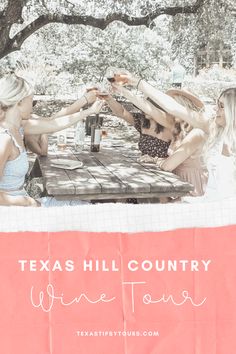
pixel 222 174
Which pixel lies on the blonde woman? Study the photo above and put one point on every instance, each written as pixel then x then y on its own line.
pixel 16 97
pixel 220 149
pixel 186 159
pixel 185 152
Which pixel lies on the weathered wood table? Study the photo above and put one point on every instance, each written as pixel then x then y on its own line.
pixel 112 173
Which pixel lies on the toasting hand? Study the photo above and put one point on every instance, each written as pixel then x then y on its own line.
pixel 96 107
pixel 90 95
pixel 123 76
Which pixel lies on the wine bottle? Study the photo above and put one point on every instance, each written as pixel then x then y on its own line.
pixel 95 135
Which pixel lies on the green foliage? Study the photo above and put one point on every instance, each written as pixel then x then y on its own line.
pixel 215 22
pixel 66 57
pixel 84 53
pixel 210 82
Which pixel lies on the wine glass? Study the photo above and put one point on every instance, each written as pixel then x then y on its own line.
pixel 90 86
pixel 104 89
pixel 110 73
pixel 118 75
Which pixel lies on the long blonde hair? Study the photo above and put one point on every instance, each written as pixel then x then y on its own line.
pixel 13 89
pixel 182 131
pixel 227 134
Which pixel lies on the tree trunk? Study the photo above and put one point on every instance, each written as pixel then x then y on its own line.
pixel 221 54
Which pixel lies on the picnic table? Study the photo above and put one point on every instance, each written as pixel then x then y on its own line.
pixel 112 173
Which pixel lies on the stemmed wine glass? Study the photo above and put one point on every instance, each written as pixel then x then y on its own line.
pixel 117 75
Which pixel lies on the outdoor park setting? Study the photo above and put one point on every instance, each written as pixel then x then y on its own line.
pixel 125 150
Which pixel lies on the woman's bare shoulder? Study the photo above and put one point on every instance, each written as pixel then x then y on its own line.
pixel 5 140
pixel 4 135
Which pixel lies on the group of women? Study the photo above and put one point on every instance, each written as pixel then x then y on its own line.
pixel 175 133
pixel 182 137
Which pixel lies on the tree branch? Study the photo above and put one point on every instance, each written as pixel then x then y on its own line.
pixel 71 3
pixel 16 42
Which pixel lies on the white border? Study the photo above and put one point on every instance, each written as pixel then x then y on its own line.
pixel 118 217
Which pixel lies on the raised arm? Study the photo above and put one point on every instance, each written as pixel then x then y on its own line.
pixel 87 98
pixel 195 139
pixel 147 107
pixel 118 110
pixel 43 126
pixel 195 119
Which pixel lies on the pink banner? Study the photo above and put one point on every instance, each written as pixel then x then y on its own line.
pixel 147 293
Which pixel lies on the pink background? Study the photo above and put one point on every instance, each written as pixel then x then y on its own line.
pixel 209 329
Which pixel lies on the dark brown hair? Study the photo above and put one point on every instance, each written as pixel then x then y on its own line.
pixel 145 123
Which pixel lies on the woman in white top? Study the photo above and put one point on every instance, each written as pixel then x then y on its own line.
pixel 220 150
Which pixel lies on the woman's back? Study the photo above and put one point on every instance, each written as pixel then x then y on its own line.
pixel 149 142
pixel 194 171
